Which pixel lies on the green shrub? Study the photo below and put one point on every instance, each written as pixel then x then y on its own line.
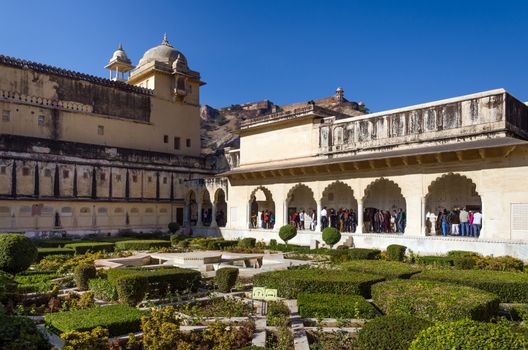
pixel 82 248
pixel 226 278
pixel 177 238
pixel 173 227
pixel 8 289
pixel 272 243
pixel 469 335
pixel 221 244
pixel 103 289
pixel 247 242
pixel 396 252
pixel 290 283
pixel 334 306
pixel 52 242
pixel 277 311
pixel 434 301
pixel 17 252
pixel 287 232
pixel 82 274
pixel 44 252
pixel 118 319
pixel 394 332
pixel 464 262
pixel 131 289
pixel 95 339
pixel 20 333
pixel 499 263
pixel 32 282
pixel 439 261
pixel 162 280
pixel 184 244
pixel 364 254
pixel 331 236
pixel 511 287
pixel 142 244
pixel 388 269
pixel 458 253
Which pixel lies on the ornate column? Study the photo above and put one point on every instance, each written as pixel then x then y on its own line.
pixel 359 228
pixel 318 215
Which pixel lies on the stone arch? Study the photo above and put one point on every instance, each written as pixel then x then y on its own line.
pixel 192 207
pixel 338 197
pixel 300 199
pixel 261 208
pixel 207 207
pixel 383 200
pixel 221 207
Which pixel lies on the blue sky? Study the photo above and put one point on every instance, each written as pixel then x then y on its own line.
pixel 387 54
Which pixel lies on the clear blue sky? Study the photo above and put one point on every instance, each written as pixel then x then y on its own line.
pixel 385 53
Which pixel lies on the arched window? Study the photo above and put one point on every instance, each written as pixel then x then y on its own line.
pixel 102 211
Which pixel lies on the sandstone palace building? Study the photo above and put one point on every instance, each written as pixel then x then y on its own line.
pixel 82 154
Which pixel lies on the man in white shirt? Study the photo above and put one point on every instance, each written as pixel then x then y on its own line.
pixel 301 219
pixel 477 224
pixel 323 219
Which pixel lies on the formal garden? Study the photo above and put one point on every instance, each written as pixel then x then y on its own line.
pixel 55 294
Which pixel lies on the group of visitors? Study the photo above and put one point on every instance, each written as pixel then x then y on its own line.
pixel 265 218
pixel 345 220
pixel 459 222
pixel 384 221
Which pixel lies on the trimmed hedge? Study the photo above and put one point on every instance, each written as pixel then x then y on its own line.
pixel 435 260
pixel 103 289
pixel 52 242
pixel 82 248
pixel 118 319
pixel 331 236
pixel 225 278
pixel 161 280
pixel 17 252
pixel 499 263
pixel 287 232
pixel 334 306
pixel 464 262
pixel 511 287
pixel 469 335
pixel 388 269
pixel 396 252
pixel 248 242
pixel 44 252
pixel 434 301
pixel 289 283
pixel 142 244
pixel 82 274
pixel 131 289
pixel 459 253
pixel 364 254
pixel 31 282
pixel 395 332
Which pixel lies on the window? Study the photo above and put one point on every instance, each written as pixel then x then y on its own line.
pixel 47 172
pixel 24 211
pixel 149 211
pixel 134 211
pixel 119 211
pixel 100 130
pixel 6 116
pixel 188 142
pixel 3 170
pixel 41 120
pixel 25 171
pixel 5 211
pixel 134 178
pixel 149 179
pixel 102 211
pixel 85 210
pixel 165 138
pixel 67 211
pixel 176 143
pixel 102 176
pixel 164 180
pixel 118 178
pixel 65 174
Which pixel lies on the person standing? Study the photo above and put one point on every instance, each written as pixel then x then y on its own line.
pixel 477 224
pixel 454 221
pixel 444 223
pixel 323 218
pixel 301 219
pixel 313 224
pixel 464 223
pixel 401 220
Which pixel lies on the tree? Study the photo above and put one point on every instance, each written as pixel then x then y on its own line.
pixel 17 252
pixel 331 236
pixel 287 232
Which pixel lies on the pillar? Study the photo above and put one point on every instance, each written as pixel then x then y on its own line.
pixel 213 215
pixel 248 214
pixel 318 215
pixel 359 228
pixel 414 215
pixel 186 215
pixel 199 219
pixel 423 223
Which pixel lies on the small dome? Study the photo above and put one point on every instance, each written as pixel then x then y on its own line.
pixel 120 56
pixel 164 53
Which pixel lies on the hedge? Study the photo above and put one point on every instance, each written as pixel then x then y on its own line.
pixel 434 301
pixel 52 242
pixel 287 232
pixel 17 252
pixel 334 306
pixel 331 236
pixel 395 332
pixel 396 252
pixel 81 248
pixel 103 289
pixel 511 287
pixel 364 254
pixel 388 269
pixel 161 280
pixel 469 335
pixel 248 242
pixel 31 282
pixel 226 278
pixel 131 289
pixel 142 244
pixel 18 332
pixel 435 260
pixel 458 253
pixel 290 283
pixel 118 319
pixel 82 274
pixel 44 252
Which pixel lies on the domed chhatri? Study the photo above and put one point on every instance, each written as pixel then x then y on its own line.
pixel 119 65
pixel 164 53
pixel 120 55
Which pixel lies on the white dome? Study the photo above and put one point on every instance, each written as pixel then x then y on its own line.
pixel 164 53
pixel 120 56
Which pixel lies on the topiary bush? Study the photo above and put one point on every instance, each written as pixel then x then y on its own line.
pixel 225 278
pixel 272 243
pixel 287 232
pixel 334 306
pixel 396 252
pixel 364 254
pixel 247 242
pixel 85 247
pixel 17 252
pixel 142 244
pixel 331 236
pixel 289 283
pixel 388 269
pixel 173 227
pixel 131 289
pixel 434 301
pixel 82 274
pixel 394 332
pixel 511 287
pixel 464 262
pixel 103 289
pixel 469 335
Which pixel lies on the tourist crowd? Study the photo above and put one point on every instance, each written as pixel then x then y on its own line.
pixel 459 222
